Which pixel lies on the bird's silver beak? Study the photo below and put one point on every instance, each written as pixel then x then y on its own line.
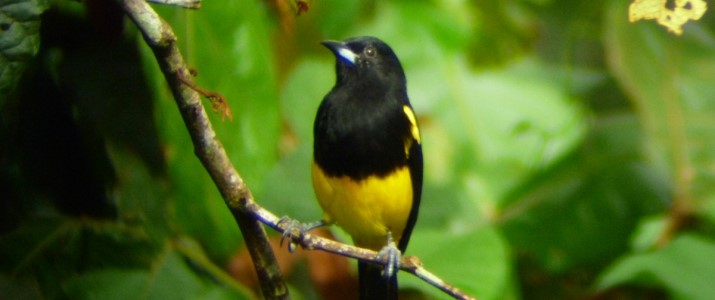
pixel 341 51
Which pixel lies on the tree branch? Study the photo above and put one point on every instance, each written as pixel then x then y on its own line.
pixel 234 191
pixel 411 264
pixel 160 37
pixel 193 4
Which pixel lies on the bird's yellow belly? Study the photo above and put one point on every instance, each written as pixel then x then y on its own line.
pixel 368 208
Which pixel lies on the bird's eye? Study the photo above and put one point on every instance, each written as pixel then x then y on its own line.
pixel 370 51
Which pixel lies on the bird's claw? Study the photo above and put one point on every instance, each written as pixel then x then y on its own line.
pixel 295 231
pixel 391 256
pixel 292 225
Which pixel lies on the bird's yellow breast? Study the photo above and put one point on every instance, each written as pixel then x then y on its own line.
pixel 366 209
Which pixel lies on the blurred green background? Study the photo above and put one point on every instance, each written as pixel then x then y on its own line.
pixel 569 154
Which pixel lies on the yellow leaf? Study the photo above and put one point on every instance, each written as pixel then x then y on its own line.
pixel 673 19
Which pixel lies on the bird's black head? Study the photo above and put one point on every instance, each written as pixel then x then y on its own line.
pixel 366 58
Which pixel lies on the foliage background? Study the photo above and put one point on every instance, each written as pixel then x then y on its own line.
pixel 569 154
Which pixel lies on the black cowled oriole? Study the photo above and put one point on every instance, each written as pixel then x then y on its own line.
pixel 367 159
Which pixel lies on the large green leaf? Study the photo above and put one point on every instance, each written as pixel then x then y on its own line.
pixel 477 262
pixel 20 40
pixel 309 81
pixel 288 190
pixel 495 130
pixel 109 284
pixel 562 217
pixel 50 250
pixel 141 198
pixel 685 268
pixel 170 277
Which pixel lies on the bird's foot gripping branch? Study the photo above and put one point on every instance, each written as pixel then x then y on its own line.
pixel 391 256
pixel 295 231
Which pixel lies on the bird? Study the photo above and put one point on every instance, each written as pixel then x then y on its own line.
pixel 367 157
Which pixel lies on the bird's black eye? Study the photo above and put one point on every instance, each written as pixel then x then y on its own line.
pixel 370 51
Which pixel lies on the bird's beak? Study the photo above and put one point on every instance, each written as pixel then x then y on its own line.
pixel 341 51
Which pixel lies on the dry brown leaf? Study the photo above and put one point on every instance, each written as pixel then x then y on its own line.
pixel 673 19
pixel 329 273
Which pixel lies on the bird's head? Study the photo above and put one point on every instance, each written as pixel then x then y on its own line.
pixel 365 58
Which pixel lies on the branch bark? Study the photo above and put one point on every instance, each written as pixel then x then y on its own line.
pixel 247 213
pixel 411 264
pixel 160 37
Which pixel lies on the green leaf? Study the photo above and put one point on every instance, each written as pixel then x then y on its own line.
pixel 708 211
pixel 221 293
pixel 685 268
pixel 49 250
pixel 333 18
pixel 648 232
pixel 141 198
pixel 531 126
pixel 495 130
pixel 288 190
pixel 171 278
pixel 304 89
pixel 19 40
pixel 109 284
pixel 594 195
pixel 477 262
pixel 435 27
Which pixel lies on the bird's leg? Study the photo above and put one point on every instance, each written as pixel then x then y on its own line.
pixel 391 255
pixel 301 228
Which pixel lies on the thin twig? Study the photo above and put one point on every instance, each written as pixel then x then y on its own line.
pixel 218 101
pixel 193 4
pixel 160 37
pixel 411 264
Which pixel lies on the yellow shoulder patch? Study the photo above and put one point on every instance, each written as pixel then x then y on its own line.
pixel 413 128
pixel 413 123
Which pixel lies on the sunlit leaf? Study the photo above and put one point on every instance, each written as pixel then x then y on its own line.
pixel 288 189
pixel 477 262
pixel 648 232
pixel 303 91
pixel 673 19
pixel 561 218
pixel 508 125
pixel 685 268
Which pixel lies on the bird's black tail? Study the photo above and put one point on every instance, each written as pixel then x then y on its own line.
pixel 373 285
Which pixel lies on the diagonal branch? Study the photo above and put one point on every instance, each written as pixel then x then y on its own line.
pixel 411 264
pixel 160 37
pixel 193 4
